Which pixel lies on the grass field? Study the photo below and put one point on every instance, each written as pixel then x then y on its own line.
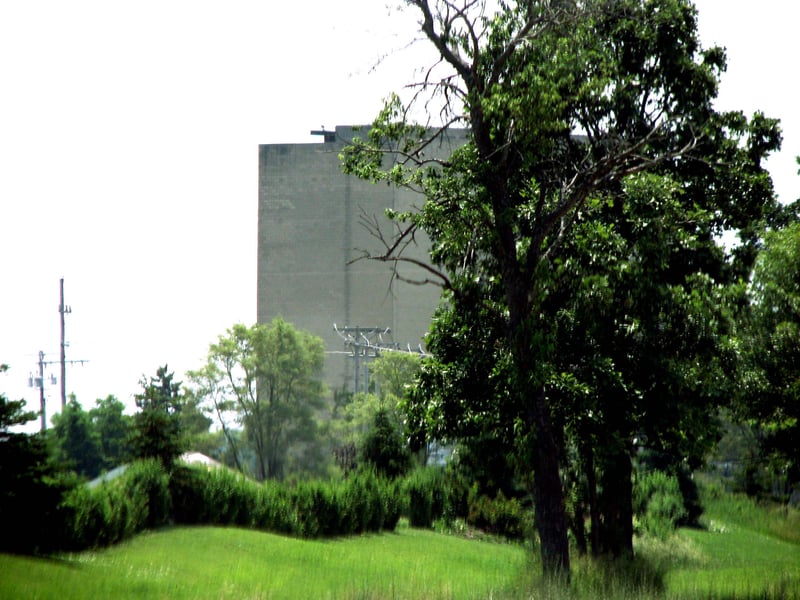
pixel 744 553
pixel 208 562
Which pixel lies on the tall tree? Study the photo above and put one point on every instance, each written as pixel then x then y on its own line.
pixel 562 102
pixel 645 351
pixel 395 373
pixel 157 426
pixel 77 440
pixel 114 430
pixel 269 375
pixel 770 393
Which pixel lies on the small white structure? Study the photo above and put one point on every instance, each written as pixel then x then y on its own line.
pixel 190 458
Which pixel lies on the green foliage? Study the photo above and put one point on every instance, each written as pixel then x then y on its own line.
pixel 114 511
pixel 268 378
pixel 274 509
pixel 738 509
pixel 428 496
pixel 113 429
pixel 318 510
pixel 385 449
pixel 148 481
pixel 362 503
pixel 586 300
pixel 770 388
pixel 501 516
pixel 77 440
pixel 31 485
pixel 658 503
pixel 745 550
pixel 395 373
pixel 157 426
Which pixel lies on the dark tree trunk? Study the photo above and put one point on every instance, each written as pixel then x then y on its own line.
pixel 548 494
pixel 616 505
pixel 578 527
pixel 591 484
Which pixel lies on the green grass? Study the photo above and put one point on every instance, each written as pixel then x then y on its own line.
pixel 208 562
pixel 744 550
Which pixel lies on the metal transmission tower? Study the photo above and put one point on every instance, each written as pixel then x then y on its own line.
pixel 366 343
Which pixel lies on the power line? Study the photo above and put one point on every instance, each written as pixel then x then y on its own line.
pixel 367 343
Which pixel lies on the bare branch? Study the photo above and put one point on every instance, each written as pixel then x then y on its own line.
pixel 448 54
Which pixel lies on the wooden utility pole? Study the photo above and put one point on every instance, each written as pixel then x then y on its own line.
pixel 41 390
pixel 62 310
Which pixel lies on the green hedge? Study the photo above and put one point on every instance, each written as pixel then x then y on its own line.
pixel 427 495
pixel 115 510
pixel 145 497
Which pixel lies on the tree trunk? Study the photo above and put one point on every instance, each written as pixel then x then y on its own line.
pixel 617 504
pixel 578 527
pixel 548 494
pixel 591 484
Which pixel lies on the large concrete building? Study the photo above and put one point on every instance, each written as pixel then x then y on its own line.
pixel 310 232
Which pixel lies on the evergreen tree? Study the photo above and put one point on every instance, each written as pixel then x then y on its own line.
pixel 157 426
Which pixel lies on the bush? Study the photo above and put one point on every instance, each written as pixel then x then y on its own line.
pixel 274 509
pixel 318 510
pixel 393 503
pixel 384 448
pixel 500 516
pixel 187 486
pixel 658 503
pixel 83 518
pixel 115 510
pixel 147 485
pixel 358 505
pixel 427 495
pixel 229 498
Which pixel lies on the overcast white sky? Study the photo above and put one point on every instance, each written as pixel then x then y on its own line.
pixel 129 136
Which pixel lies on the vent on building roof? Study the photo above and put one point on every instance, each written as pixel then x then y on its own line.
pixel 328 136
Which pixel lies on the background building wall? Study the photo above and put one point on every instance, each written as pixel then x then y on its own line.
pixel 309 231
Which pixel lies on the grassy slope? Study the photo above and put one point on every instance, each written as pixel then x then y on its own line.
pixel 206 562
pixel 744 551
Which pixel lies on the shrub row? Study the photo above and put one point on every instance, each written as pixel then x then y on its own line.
pixel 147 497
pixel 361 503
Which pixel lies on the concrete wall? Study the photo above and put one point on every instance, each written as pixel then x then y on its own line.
pixel 309 231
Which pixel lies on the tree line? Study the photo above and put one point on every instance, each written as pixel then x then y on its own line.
pixel 257 405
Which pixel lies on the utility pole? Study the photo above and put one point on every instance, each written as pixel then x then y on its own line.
pixel 39 382
pixel 63 310
pixel 41 390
